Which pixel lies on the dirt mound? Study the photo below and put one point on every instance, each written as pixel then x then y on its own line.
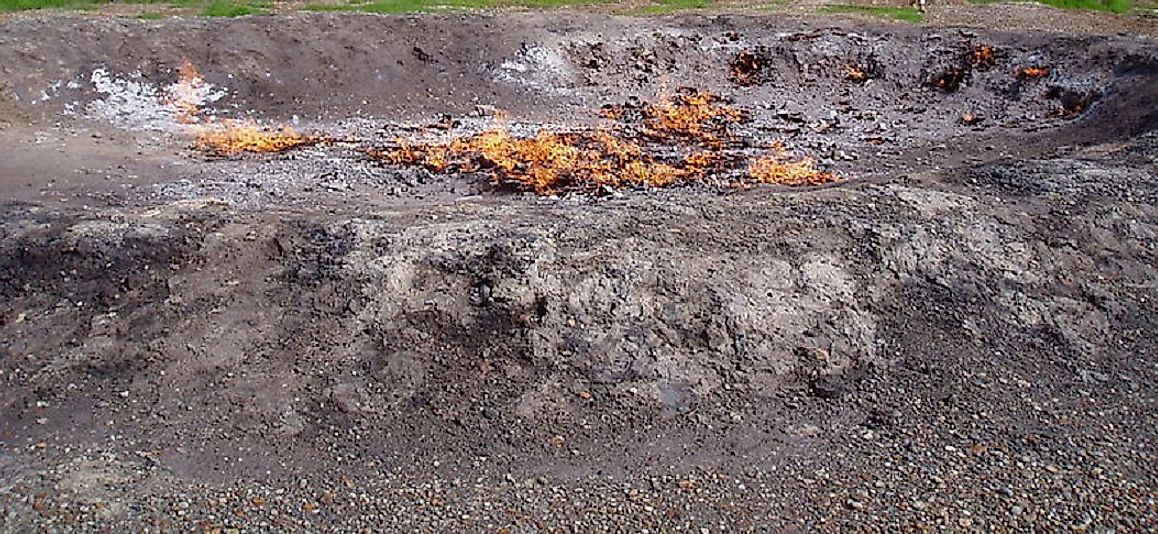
pixel 316 338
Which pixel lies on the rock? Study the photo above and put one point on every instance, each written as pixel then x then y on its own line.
pixel 828 387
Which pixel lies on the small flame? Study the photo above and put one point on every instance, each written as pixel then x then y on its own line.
pixel 232 137
pixel 982 55
pixel 1033 72
pixel 228 137
pixel 855 73
pixel 746 68
pixel 779 168
pixel 186 95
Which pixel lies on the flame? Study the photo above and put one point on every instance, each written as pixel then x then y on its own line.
pixel 227 137
pixel 779 168
pixel 186 94
pixel 696 116
pixel 1034 72
pixel 982 55
pixel 949 80
pixel 746 68
pixel 694 123
pixel 549 162
pixel 232 137
pixel 971 119
pixel 855 73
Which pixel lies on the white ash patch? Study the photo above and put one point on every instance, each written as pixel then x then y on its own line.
pixel 538 67
pixel 135 104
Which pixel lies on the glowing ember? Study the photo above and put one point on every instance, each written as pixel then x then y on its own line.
pixel 982 55
pixel 693 123
pixel 855 73
pixel 949 80
pixel 233 137
pixel 971 119
pixel 1032 73
pixel 746 68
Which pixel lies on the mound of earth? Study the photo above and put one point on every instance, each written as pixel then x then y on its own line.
pixel 956 335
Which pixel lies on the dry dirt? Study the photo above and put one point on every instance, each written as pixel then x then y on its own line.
pixel 958 336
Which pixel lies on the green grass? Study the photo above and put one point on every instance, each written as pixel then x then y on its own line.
pixel 216 8
pixel 229 8
pixel 769 5
pixel 21 5
pixel 668 6
pixel 906 14
pixel 1112 6
pixel 416 6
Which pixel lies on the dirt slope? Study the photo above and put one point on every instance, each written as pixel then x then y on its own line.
pixel 955 337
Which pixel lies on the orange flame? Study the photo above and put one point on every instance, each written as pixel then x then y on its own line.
pixel 228 137
pixel 552 162
pixel 548 162
pixel 232 137
pixel 1034 72
pixel 855 73
pixel 779 168
pixel 184 94
pixel 982 55
pixel 696 116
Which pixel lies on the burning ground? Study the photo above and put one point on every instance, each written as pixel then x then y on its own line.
pixel 859 277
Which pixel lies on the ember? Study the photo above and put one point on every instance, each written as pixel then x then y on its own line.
pixel 982 56
pixel 855 73
pixel 1032 73
pixel 746 68
pixel 949 80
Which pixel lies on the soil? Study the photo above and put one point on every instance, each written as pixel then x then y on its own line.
pixel 957 336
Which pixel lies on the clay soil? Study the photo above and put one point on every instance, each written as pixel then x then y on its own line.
pixel 958 335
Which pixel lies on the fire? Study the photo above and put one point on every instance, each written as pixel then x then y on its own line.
pixel 228 137
pixel 685 138
pixel 1030 73
pixel 982 55
pixel 186 94
pixel 970 119
pixel 550 162
pixel 678 140
pixel 693 115
pixel 855 73
pixel 949 80
pixel 232 137
pixel 779 168
pixel 746 68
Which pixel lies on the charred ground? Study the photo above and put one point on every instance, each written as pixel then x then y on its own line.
pixel 957 335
